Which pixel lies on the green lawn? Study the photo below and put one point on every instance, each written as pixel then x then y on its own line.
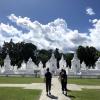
pixel 85 95
pixel 20 80
pixel 84 81
pixel 19 94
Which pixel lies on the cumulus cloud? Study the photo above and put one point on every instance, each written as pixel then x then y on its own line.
pixel 90 11
pixel 55 34
pixel 95 33
pixel 7 32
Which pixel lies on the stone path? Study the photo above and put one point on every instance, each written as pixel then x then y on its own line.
pixel 25 86
pixel 89 87
pixel 56 93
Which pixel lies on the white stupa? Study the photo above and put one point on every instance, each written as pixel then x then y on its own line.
pixel 30 64
pixel 7 68
pixel 83 66
pixel 23 66
pixel 75 67
pixel 52 64
pixel 62 63
pixel 40 65
pixel 98 64
pixel 7 63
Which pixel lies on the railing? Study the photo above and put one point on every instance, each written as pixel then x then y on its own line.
pixel 39 75
pixel 84 76
pixel 22 75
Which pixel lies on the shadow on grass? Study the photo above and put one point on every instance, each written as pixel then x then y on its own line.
pixel 70 96
pixel 68 90
pixel 52 97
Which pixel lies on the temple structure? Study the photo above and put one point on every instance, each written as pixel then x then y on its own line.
pixel 62 63
pixel 83 66
pixel 98 63
pixel 29 67
pixel 75 64
pixel 52 64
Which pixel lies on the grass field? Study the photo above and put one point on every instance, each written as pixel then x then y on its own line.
pixel 20 80
pixel 19 94
pixel 85 95
pixel 22 94
pixel 84 81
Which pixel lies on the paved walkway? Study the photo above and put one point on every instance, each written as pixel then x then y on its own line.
pixel 89 87
pixel 56 93
pixel 25 86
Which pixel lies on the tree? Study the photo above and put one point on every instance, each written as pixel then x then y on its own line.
pixel 44 56
pixel 28 51
pixel 57 56
pixel 87 54
pixel 81 53
pixel 68 58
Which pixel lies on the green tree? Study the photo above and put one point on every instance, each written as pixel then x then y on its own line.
pixel 81 53
pixel 68 58
pixel 57 56
pixel 44 56
pixel 28 51
pixel 87 54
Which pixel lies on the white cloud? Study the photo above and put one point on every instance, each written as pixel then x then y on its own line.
pixel 95 34
pixel 7 32
pixel 90 11
pixel 55 34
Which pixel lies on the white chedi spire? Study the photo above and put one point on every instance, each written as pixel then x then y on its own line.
pixel 52 58
pixel 40 65
pixel 7 63
pixel 52 64
pixel 31 64
pixel 42 70
pixel 62 63
pixel 75 64
pixel 98 64
pixel 23 65
pixel 83 66
pixel 15 67
pixel 75 57
pixel 7 59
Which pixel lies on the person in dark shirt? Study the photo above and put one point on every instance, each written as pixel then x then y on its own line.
pixel 63 79
pixel 48 77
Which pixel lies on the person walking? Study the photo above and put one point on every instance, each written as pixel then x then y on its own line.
pixel 48 77
pixel 63 79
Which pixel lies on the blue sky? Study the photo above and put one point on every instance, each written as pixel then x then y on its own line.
pixel 73 11
pixel 77 15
